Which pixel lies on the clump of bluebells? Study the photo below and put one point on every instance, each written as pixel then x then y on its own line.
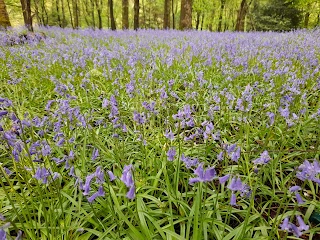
pixel 150 135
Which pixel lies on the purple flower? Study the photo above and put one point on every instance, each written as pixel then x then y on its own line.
pixel 302 225
pixel 95 154
pixel 131 193
pixel 294 189
pixel 189 161
pixel 3 234
pixel 233 199
pixel 169 135
pixel 171 154
pixel 139 118
pixel 236 184
pixel 127 179
pixel 263 159
pixel 223 179
pixel 290 227
pixel 236 155
pixel 2 113
pixel 220 156
pixel 309 171
pixel 99 193
pixel 299 198
pixel 42 174
pixel 203 175
pixel 111 176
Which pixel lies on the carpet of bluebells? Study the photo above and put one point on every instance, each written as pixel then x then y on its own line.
pixel 159 135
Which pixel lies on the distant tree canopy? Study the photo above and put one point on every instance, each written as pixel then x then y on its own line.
pixel 276 15
pixel 212 15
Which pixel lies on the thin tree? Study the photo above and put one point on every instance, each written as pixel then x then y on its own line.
pixel 186 14
pixel 136 9
pixel 26 10
pixel 113 22
pixel 166 15
pixel 125 14
pixel 75 6
pixel 222 3
pixel 241 16
pixel 4 16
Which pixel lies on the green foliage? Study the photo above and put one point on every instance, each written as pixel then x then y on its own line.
pixel 276 15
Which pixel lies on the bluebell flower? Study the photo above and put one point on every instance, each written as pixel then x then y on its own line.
pixel 112 177
pixel 42 174
pixel 263 159
pixel 220 156
pixel 3 234
pixel 203 175
pixel 127 179
pixel 171 154
pixel 290 227
pixel 169 135
pixel 223 179
pixel 190 162
pixel 309 171
pixel 99 193
pixel 236 155
pixel 3 113
pixel 233 199
pixel 95 154
pixel 302 225
pixel 131 193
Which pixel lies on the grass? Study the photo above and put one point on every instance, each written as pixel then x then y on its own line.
pixel 75 93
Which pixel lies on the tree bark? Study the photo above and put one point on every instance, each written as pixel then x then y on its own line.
pixel 186 14
pixel 4 16
pixel 58 13
pixel 241 16
pixel 64 22
pixel 306 19
pixel 75 7
pixel 173 15
pixel 70 13
pixel 113 22
pixel 26 10
pixel 136 9
pixel 220 15
pixel 198 20
pixel 166 15
pixel 125 14
pixel 98 4
pixel 202 21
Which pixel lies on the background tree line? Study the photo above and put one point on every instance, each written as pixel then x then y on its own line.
pixel 213 15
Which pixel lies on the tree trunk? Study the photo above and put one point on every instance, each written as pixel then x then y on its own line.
pixel 37 14
pixel 70 13
pixel 98 4
pixel 64 22
pixel 186 14
pixel 125 14
pixel 198 20
pixel 173 15
pixel 4 17
pixel 241 16
pixel 44 14
pixel 202 21
pixel 113 22
pixel 306 19
pixel 58 13
pixel 220 15
pixel 26 10
pixel 136 15
pixel 75 7
pixel 166 15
